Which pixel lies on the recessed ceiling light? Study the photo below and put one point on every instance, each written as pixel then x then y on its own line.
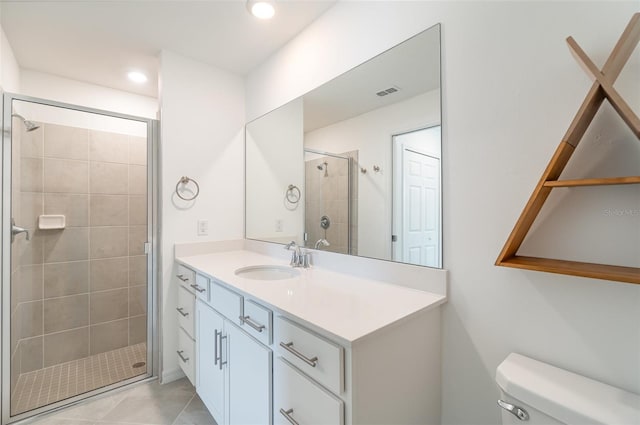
pixel 137 77
pixel 261 9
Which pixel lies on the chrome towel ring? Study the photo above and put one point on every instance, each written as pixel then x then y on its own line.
pixel 184 180
pixel 293 194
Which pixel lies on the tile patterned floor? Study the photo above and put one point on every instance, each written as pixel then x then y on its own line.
pixel 55 383
pixel 175 403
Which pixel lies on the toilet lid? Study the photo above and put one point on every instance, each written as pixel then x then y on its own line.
pixel 566 396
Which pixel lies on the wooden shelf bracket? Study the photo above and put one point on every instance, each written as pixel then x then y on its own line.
pixel 601 89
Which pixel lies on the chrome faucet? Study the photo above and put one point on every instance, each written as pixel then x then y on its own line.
pixel 322 243
pixel 299 258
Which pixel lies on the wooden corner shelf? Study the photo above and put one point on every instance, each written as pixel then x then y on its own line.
pixel 601 89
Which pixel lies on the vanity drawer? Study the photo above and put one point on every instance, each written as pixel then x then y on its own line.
pixel 257 321
pixel 185 310
pixel 316 356
pixel 227 302
pixel 302 399
pixel 186 277
pixel 187 355
pixel 201 287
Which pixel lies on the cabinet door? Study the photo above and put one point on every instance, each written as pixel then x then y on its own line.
pixel 249 365
pixel 211 376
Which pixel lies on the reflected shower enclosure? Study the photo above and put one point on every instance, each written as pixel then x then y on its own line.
pixel 330 219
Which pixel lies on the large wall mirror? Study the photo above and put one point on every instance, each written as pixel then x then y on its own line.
pixel 354 166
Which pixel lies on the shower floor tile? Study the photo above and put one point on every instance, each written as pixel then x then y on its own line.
pixel 51 384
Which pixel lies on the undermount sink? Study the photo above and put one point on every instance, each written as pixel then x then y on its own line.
pixel 267 272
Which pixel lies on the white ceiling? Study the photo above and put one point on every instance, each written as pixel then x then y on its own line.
pixel 99 41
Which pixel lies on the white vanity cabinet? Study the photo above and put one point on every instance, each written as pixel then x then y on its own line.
pixel 234 370
pixel 185 311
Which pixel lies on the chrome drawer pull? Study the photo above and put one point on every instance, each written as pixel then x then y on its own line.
pixel 183 358
pixel 516 411
pixel 182 278
pixel 215 349
pixel 180 310
pixel 257 326
pixel 198 288
pixel 287 415
pixel 221 338
pixel 289 347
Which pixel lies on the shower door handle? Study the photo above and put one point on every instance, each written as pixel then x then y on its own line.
pixel 16 230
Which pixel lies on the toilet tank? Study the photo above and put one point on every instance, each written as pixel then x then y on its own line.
pixel 551 395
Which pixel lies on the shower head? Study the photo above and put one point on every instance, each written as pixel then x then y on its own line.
pixel 30 125
pixel 320 167
pixel 324 166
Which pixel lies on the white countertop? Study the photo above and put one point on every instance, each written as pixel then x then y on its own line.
pixel 346 306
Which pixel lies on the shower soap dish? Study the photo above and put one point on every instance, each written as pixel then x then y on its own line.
pixel 50 221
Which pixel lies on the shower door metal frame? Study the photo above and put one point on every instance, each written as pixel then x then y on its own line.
pixel 151 249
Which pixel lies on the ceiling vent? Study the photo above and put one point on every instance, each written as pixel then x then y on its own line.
pixel 388 91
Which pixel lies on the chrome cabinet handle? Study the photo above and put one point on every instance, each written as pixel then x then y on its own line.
pixel 516 411
pixel 181 311
pixel 221 338
pixel 287 415
pixel 289 347
pixel 183 358
pixel 182 278
pixel 197 288
pixel 257 326
pixel 215 345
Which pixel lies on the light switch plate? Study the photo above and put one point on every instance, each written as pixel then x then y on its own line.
pixel 203 227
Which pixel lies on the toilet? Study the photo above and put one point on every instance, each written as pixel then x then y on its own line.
pixel 537 393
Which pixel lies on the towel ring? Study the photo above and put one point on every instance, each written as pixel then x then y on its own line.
pixel 293 194
pixel 186 180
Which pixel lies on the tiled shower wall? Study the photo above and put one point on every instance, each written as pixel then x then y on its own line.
pixel 81 290
pixel 331 193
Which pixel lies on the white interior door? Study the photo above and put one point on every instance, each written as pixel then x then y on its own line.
pixel 421 209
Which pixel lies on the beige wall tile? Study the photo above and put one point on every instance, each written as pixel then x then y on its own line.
pixel 62 279
pixel 31 206
pixel 137 329
pixel 31 354
pixel 29 284
pixel 75 208
pixel 137 238
pixel 137 210
pixel 31 144
pixel 138 270
pixel 109 178
pixel 109 336
pixel 137 150
pixel 70 244
pixel 29 319
pixel 110 273
pixel 107 242
pixel 66 176
pixel 66 346
pixel 108 210
pixel 31 175
pixel 137 180
pixel 65 313
pixel 29 251
pixel 108 147
pixel 137 300
pixel 109 305
pixel 65 142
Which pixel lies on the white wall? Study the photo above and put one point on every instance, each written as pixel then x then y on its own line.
pixel 274 161
pixel 370 134
pixel 202 119
pixel 510 90
pixel 9 69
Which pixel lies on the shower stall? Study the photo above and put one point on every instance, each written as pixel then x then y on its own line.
pixel 331 201
pixel 78 263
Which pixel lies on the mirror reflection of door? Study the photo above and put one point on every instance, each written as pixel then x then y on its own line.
pixel 417 198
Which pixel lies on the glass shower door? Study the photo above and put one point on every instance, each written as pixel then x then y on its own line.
pixel 77 293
